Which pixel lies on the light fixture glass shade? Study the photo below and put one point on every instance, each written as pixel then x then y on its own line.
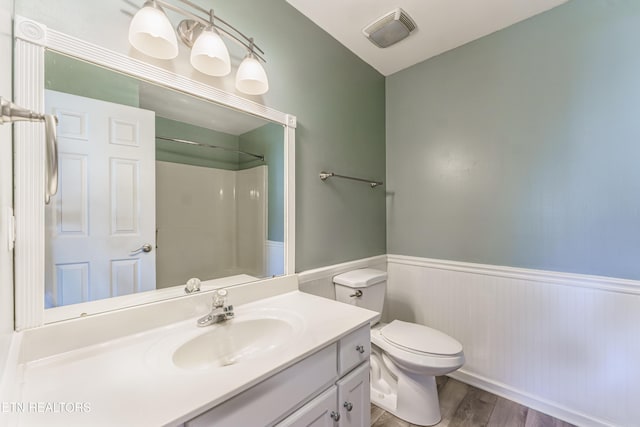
pixel 251 77
pixel 151 33
pixel 209 54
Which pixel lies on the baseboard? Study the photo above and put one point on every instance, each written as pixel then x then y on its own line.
pixel 534 402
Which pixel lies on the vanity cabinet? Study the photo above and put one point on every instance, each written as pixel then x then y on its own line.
pixel 345 404
pixel 328 388
pixel 354 401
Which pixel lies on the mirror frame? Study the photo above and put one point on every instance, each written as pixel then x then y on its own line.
pixel 31 40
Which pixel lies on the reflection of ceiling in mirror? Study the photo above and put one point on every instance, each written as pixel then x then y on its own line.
pixel 195 111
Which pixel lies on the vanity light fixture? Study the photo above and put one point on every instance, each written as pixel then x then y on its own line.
pixel 251 77
pixel 151 32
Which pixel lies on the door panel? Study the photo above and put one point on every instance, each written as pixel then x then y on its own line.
pixel 105 206
pixel 76 282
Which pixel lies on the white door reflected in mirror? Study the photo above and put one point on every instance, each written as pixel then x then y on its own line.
pixel 104 207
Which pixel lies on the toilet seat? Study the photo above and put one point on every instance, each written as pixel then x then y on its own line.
pixel 414 360
pixel 420 339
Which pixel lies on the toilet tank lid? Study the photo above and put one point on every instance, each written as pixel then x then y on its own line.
pixel 360 278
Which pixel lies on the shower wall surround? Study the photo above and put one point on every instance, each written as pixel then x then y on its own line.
pixel 214 219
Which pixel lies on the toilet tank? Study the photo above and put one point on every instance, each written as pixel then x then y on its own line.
pixel 363 288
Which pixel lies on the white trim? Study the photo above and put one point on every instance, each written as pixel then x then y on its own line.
pixel 332 270
pixel 541 405
pixel 32 38
pixel 610 284
pixel 29 189
pixel 290 196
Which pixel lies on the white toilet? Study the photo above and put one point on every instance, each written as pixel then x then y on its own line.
pixel 405 357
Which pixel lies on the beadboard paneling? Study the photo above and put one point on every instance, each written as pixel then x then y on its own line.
pixel 565 344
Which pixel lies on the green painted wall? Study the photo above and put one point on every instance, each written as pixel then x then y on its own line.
pixel 69 75
pixel 268 140
pixel 338 99
pixel 193 155
pixel 521 148
pixel 339 102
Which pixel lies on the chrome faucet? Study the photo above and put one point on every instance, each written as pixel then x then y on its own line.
pixel 219 311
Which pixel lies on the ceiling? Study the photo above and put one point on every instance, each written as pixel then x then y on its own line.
pixel 195 111
pixel 442 25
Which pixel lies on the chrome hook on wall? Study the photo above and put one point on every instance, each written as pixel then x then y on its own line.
pixel 10 113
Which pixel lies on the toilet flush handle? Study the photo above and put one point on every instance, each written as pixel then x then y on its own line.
pixel 358 294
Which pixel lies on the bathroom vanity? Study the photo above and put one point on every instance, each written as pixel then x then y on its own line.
pixel 339 371
pixel 291 359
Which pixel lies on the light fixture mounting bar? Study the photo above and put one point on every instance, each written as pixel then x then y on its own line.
pixel 217 18
pixel 246 43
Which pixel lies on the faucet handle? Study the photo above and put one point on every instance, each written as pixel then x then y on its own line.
pixel 227 312
pixel 193 285
pixel 219 298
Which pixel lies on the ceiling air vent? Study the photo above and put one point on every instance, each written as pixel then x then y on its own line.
pixel 390 28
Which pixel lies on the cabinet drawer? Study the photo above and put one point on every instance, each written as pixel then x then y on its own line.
pixel 316 413
pixel 278 395
pixel 354 349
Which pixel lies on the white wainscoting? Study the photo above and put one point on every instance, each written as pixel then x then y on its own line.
pixel 274 252
pixel 319 281
pixel 565 344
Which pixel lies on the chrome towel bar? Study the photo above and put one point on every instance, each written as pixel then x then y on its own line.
pixel 325 175
pixel 10 113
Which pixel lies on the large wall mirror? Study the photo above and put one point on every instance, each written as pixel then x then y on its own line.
pixel 159 182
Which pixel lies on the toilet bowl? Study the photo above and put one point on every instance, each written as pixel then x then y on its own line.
pixel 405 357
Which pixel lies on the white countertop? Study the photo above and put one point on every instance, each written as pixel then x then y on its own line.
pixel 124 382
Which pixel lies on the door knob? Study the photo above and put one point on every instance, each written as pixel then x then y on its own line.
pixel 335 416
pixel 144 248
pixel 348 406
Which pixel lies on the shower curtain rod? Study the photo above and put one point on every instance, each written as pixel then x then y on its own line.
pixel 199 144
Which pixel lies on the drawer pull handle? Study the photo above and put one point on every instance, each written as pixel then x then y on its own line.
pixel 335 416
pixel 360 349
pixel 348 406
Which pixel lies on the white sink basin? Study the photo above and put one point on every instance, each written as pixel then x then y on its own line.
pixel 232 342
pixel 249 336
